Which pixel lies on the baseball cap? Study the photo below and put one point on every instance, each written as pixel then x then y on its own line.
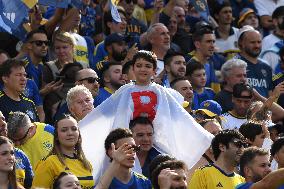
pixel 210 108
pixel 239 88
pixel 244 29
pixel 244 13
pixel 114 38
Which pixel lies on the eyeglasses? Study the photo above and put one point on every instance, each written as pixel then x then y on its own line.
pixel 239 143
pixel 22 138
pixel 91 79
pixel 39 43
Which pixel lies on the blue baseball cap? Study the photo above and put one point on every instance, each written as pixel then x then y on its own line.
pixel 210 108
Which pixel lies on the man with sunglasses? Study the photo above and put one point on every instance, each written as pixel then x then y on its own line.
pixel 34 138
pixel 125 177
pixel 255 167
pixel 227 147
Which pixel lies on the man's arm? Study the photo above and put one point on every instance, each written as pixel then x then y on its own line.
pixel 271 181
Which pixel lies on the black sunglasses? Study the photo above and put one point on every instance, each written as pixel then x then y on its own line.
pixel 239 143
pixel 91 79
pixel 39 43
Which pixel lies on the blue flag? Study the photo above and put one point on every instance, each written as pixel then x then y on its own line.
pixel 19 32
pixel 202 7
pixel 55 3
pixel 13 12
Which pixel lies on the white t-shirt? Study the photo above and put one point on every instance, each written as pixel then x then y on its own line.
pixel 228 44
pixel 266 7
pixel 231 121
pixel 269 41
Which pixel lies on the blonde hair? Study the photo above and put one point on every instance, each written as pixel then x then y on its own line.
pixel 64 37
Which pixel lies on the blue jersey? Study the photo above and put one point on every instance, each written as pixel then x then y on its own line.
pixel 33 72
pixel 104 93
pixel 247 185
pixel 137 181
pixel 150 156
pixel 100 54
pixel 259 76
pixel 25 105
pixel 24 171
pixel 134 29
pixel 208 94
pixel 31 91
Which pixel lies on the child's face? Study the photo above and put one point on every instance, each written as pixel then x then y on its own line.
pixel 143 71
pixel 198 78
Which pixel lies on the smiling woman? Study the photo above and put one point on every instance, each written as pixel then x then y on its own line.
pixel 7 164
pixel 67 154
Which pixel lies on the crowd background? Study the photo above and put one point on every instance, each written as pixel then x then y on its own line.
pixel 59 61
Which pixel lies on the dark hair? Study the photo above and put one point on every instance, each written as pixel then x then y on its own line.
pixel 198 34
pixel 192 66
pixel 172 164
pixel 250 129
pixel 241 87
pixel 224 137
pixel 158 160
pixel 217 7
pixel 115 135
pixel 107 17
pixel 140 120
pixel 57 181
pixel 279 11
pixel 173 82
pixel 126 67
pixel 146 55
pixel 277 145
pixel 31 34
pixel 56 150
pixel 4 52
pixel 11 174
pixel 169 56
pixel 6 67
pixel 248 156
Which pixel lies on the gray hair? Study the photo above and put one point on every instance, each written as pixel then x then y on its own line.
pixel 17 120
pixel 230 64
pixel 74 91
pixel 152 29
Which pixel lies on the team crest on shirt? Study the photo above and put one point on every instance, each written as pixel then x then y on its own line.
pixel 264 73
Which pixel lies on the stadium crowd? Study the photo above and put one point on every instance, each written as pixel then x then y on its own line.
pixel 182 94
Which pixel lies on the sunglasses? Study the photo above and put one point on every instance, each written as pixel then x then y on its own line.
pixel 22 138
pixel 240 144
pixel 91 79
pixel 39 43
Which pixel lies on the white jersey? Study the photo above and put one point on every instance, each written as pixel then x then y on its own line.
pixel 231 121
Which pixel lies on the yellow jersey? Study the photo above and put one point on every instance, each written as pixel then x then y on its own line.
pixel 48 169
pixel 39 145
pixel 212 177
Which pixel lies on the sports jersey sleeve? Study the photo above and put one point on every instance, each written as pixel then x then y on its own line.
pixel 198 180
pixel 244 186
pixel 44 169
pixel 36 96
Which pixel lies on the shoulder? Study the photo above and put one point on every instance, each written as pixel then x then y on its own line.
pixel 274 78
pixel 140 176
pixel 45 127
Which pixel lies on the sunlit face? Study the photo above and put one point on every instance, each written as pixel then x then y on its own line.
pixel 176 67
pixel 68 133
pixel 81 105
pixel 17 79
pixel 69 182
pixel 259 168
pixel 207 45
pixel 161 38
pixel 129 162
pixel 213 127
pixel 225 16
pixel 251 43
pixel 7 157
pixel 198 78
pixel 179 180
pixel 64 51
pixel 237 75
pixel 143 136
pixel 89 80
pixel 143 71
pixel 38 45
pixel 241 105
pixel 251 20
pixel 185 89
pixel 114 76
pixel 234 152
pixel 258 141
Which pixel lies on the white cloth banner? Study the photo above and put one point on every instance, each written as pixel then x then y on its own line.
pixel 175 131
